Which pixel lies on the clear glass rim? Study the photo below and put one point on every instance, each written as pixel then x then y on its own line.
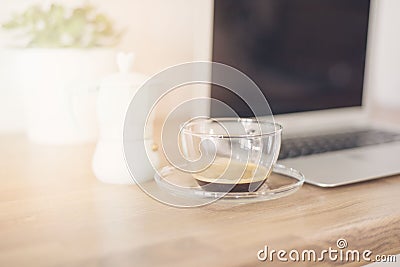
pixel 277 127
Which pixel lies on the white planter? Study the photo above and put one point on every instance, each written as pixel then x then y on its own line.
pixel 60 88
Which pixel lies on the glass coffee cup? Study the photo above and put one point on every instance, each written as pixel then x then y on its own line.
pixel 230 154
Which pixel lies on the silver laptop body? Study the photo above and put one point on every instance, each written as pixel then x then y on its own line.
pixel 330 168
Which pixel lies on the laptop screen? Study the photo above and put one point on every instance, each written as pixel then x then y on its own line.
pixel 303 54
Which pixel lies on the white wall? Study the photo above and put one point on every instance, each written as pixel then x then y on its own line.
pixel 384 72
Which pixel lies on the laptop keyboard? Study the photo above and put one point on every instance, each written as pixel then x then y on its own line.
pixel 303 146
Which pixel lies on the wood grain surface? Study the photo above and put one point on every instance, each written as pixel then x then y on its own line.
pixel 53 212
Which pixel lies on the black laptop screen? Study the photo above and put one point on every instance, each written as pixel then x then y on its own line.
pixel 303 54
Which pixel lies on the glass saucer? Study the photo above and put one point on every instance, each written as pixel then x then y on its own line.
pixel 282 182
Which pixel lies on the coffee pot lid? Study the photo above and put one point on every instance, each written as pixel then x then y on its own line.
pixel 125 77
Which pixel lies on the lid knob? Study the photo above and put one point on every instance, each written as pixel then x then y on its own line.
pixel 125 62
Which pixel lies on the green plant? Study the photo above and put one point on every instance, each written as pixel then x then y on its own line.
pixel 59 26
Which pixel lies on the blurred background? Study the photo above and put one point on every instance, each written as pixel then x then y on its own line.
pixel 158 34
pixel 55 75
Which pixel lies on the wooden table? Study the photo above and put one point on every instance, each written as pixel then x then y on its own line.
pixel 53 212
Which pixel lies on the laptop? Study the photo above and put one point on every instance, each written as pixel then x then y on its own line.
pixel 312 60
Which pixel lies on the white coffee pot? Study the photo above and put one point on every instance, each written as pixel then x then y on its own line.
pixel 115 94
